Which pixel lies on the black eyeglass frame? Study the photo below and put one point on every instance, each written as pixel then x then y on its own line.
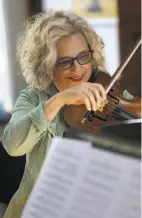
pixel 76 58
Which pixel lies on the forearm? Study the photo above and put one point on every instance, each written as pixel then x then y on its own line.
pixel 53 106
pixel 29 122
pixel 21 135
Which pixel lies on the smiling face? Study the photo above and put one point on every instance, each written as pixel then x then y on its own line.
pixel 68 47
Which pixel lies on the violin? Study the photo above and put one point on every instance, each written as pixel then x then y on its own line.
pixel 117 108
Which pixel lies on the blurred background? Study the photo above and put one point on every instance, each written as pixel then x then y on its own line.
pixel 118 22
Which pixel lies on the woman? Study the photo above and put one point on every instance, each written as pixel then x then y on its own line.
pixel 58 53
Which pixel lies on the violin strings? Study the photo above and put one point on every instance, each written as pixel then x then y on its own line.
pixel 125 114
pixel 128 113
pixel 117 112
pixel 122 113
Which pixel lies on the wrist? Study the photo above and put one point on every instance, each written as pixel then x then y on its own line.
pixel 61 96
pixel 56 102
pixel 53 106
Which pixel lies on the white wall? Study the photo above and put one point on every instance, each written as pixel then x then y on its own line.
pixel 57 4
pixel 108 30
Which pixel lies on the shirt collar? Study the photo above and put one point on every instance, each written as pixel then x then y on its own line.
pixel 51 89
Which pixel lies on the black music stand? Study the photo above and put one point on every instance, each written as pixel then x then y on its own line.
pixel 124 137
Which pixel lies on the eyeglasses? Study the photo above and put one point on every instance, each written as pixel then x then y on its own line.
pixel 67 63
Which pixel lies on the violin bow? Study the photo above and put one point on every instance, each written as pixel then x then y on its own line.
pixel 119 70
pixel 123 65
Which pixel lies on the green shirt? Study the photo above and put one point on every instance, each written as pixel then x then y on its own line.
pixel 28 132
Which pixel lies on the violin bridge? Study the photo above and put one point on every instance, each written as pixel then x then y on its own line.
pixel 102 106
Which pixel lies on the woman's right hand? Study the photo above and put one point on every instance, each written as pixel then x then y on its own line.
pixel 92 95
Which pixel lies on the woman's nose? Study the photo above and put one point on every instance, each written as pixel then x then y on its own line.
pixel 76 66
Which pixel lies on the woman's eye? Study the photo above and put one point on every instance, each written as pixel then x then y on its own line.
pixel 83 55
pixel 65 62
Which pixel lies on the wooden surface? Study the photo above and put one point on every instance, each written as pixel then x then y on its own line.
pixel 129 32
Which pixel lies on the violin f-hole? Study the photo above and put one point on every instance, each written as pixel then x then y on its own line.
pixel 116 100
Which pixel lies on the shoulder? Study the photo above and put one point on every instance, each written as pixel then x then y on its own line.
pixel 32 95
pixel 29 91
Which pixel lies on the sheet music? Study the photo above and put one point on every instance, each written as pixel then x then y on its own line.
pixel 80 181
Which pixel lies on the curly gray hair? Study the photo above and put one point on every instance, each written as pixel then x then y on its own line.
pixel 36 46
